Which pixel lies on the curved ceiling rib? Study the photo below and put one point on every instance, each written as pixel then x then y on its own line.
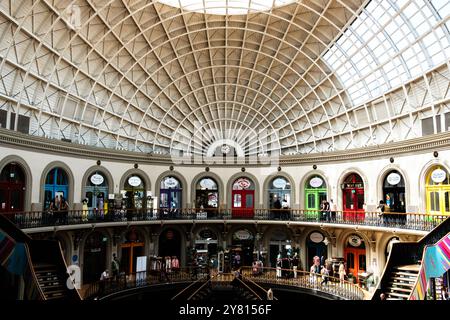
pixel 149 77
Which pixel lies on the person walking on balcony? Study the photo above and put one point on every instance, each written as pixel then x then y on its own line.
pixel 277 207
pixel 380 210
pixel 323 208
pixel 324 272
pixel 64 210
pixel 285 207
pixel 278 264
pixel 115 266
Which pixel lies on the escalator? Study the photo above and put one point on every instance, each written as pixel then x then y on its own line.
pixel 38 263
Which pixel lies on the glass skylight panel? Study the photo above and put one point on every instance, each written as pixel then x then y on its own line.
pixel 399 34
pixel 223 7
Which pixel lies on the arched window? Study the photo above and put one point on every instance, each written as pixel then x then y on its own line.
pixel 56 185
pixel 12 186
pixel 279 193
pixel 438 190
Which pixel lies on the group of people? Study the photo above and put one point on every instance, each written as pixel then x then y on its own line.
pixel 281 210
pixel 284 265
pixel 59 210
pixel 325 270
pixel 327 211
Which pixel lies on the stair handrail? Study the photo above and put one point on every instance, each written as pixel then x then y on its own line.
pixel 257 285
pixel 190 285
pixel 201 287
pixel 422 266
pixel 68 275
pixel 251 290
pixel 33 272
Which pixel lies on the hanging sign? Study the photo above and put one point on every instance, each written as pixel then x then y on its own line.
pixel 134 181
pixel 207 184
pixel 316 237
pixel 354 241
pixel 243 183
pixel 279 183
pixel 438 175
pixel 97 179
pixel 316 182
pixel 394 178
pixel 243 235
pixel 170 183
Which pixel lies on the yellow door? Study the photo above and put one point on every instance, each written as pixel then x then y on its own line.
pixel 438 199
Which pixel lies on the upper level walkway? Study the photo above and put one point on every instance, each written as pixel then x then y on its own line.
pixel 44 221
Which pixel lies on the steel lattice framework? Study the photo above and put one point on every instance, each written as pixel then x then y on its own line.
pixel 145 76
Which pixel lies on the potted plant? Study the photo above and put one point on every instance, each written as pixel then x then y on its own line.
pixel 351 278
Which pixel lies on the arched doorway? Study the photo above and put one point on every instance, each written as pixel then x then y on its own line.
pixel 355 256
pixel 135 192
pixel 315 246
pixel 279 243
pixel 394 196
pixel 279 197
pixel 170 243
pixel 243 243
pixel 131 248
pixel 170 196
pixel 206 244
pixel 438 190
pixel 353 197
pixel 243 198
pixel 12 188
pixel 315 193
pixel 97 191
pixel 207 195
pixel 94 256
pixel 56 184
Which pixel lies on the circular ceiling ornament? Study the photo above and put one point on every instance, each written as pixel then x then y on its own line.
pixel 225 149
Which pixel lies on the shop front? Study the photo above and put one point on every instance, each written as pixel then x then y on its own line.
pixel 394 197
pixel 131 248
pixel 353 197
pixel 315 193
pixel 315 246
pixel 12 188
pixel 207 196
pixel 170 243
pixel 97 192
pixel 279 198
pixel 437 190
pixel 170 201
pixel 135 196
pixel 243 198
pixel 94 256
pixel 56 185
pixel 242 247
pixel 206 246
pixel 279 245
pixel 355 256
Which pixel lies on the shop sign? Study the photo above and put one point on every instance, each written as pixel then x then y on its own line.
pixel 394 178
pixel 134 181
pixel 279 183
pixel 97 179
pixel 205 234
pixel 243 183
pixel 316 237
pixel 243 235
pixel 354 241
pixel 170 182
pixel 207 184
pixel 316 182
pixel 438 175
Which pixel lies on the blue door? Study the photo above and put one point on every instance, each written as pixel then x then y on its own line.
pixel 56 184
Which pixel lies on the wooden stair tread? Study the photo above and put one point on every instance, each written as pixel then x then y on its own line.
pixel 402 273
pixel 404 279
pixel 410 267
pixel 399 289
pixel 402 284
pixel 395 294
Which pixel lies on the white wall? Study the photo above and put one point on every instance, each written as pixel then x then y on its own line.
pixel 412 166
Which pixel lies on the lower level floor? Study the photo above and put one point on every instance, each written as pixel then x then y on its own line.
pixel 138 248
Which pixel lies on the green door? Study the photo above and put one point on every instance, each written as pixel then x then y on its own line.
pixel 313 198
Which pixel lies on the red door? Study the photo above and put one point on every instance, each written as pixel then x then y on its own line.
pixel 356 261
pixel 12 189
pixel 243 203
pixel 353 204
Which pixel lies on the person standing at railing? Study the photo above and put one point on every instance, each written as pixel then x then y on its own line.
pixel 323 208
pixel 324 272
pixel 285 207
pixel 64 210
pixel 380 210
pixel 115 266
pixel 333 209
pixel 315 270
pixel 103 278
pixel 295 264
pixel 279 260
pixel 277 207
pixel 84 214
pixel 342 272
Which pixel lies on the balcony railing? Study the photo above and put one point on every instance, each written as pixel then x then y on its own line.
pixel 412 221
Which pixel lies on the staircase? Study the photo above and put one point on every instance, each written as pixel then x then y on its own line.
pixel 402 282
pixel 50 281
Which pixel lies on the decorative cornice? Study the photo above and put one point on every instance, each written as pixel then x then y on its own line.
pixel 40 144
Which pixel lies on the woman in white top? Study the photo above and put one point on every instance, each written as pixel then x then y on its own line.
pixel 342 272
